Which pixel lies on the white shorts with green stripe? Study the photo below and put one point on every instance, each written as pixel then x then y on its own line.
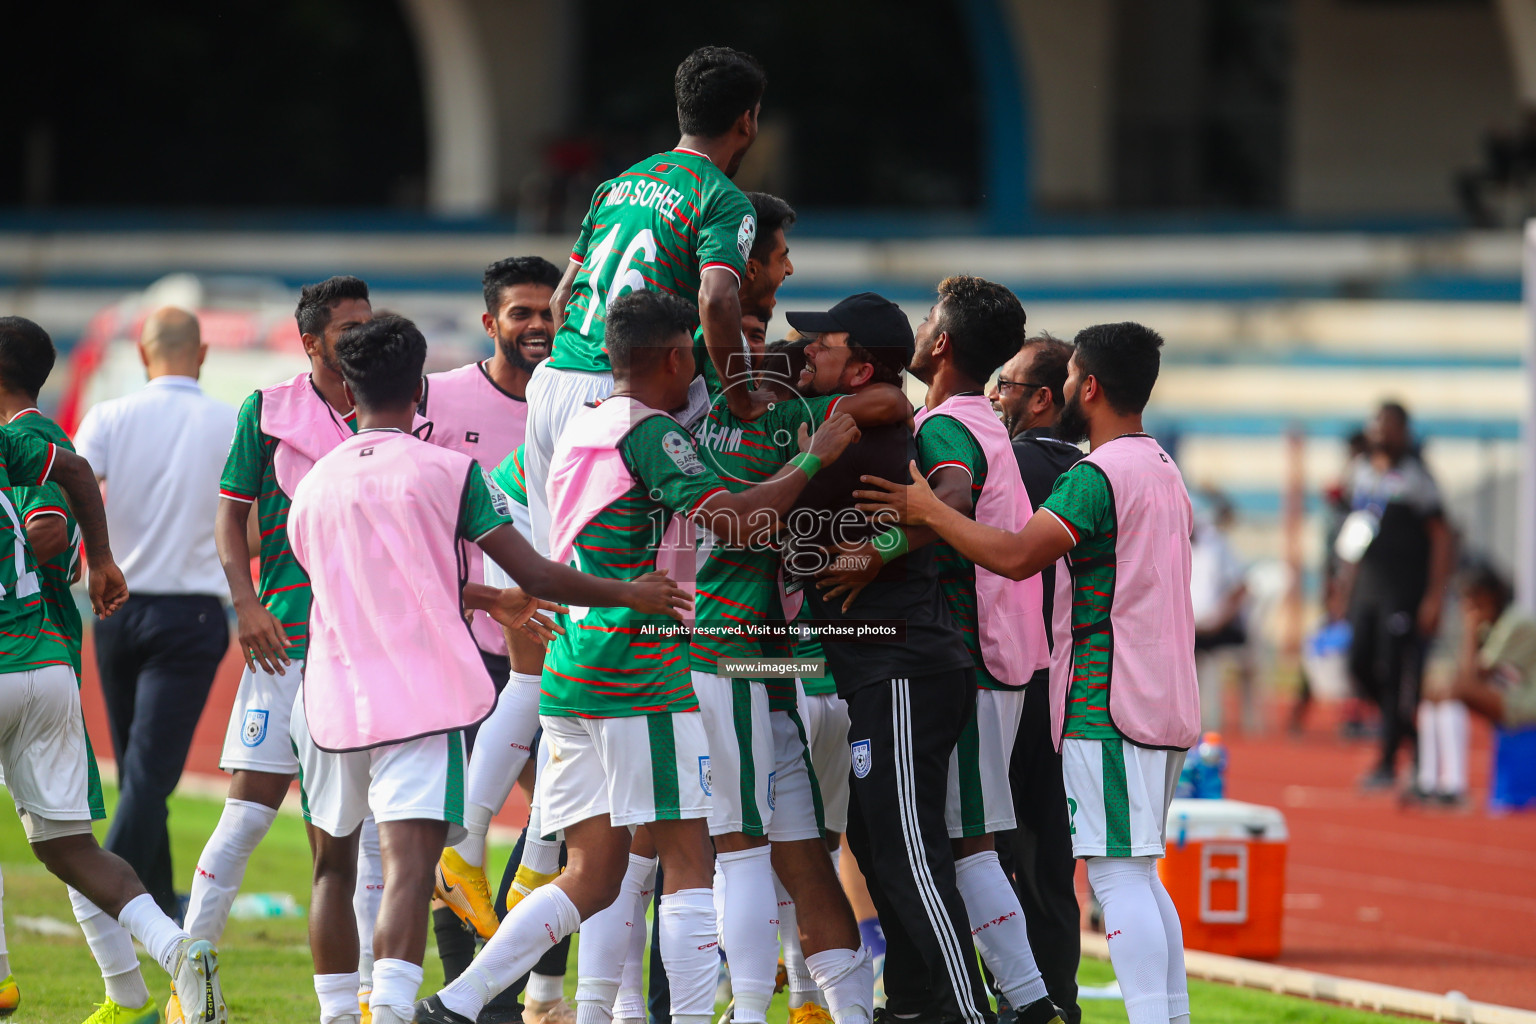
pixel 980 801
pixel 741 771
pixel 826 726
pixel 419 780
pixel 794 797
pixel 1118 796
pixel 636 770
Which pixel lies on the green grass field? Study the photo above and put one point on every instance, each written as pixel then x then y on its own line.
pixel 266 964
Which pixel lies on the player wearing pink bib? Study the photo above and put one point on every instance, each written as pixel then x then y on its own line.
pixel 393 675
pixel 1124 701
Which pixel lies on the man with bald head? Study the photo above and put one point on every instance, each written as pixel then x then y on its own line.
pixel 159 452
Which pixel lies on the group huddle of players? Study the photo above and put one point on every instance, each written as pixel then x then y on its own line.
pixel 634 458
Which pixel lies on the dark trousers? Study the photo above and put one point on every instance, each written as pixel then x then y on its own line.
pixel 157 658
pixel 1386 657
pixel 902 735
pixel 1038 853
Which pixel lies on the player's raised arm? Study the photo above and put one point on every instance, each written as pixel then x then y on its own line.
pixel 562 295
pixel 720 316
pixel 108 588
pixel 651 594
pixel 1014 555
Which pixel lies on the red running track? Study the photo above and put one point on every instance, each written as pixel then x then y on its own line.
pixel 1426 899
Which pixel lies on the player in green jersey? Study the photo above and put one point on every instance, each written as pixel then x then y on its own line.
pixel 45 752
pixel 672 223
pixel 618 707
pixel 1124 516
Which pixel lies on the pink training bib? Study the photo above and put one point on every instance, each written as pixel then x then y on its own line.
pixel 375 524
pixel 305 426
pixel 1011 624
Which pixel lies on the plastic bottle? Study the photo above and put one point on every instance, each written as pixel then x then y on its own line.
pixel 251 905
pixel 1189 775
pixel 1211 775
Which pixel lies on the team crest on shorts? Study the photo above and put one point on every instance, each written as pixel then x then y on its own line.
pixel 706 778
pixel 773 789
pixel 255 728
pixel 863 760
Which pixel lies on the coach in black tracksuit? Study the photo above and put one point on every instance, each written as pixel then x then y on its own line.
pixel 1038 853
pixel 908 697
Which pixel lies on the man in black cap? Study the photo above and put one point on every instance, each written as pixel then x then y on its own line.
pixel 909 690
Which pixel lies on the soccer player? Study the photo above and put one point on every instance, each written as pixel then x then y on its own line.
pixel 674 223
pixel 45 752
pixel 908 697
pixel 281 431
pixel 393 678
pixel 481 410
pixel 618 709
pixel 761 786
pixel 1123 696
pixel 965 453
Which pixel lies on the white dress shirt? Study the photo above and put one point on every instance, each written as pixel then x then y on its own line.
pixel 161 451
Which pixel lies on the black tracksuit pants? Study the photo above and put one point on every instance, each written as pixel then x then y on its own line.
pixel 902 734
pixel 1038 853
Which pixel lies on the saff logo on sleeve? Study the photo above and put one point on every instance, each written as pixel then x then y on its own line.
pixel 254 728
pixel 863 759
pixel 746 235
pixel 681 451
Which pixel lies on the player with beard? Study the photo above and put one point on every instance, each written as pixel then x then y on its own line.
pixel 1124 701
pixel 1029 393
pixel 908 695
pixel 672 223
pixel 481 410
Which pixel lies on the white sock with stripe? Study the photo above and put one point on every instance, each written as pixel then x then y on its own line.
pixel 1138 937
pixel 750 932
pixel 997 922
pixel 221 866
pixel 502 745
pixel 690 953
pixel 539 921
pixel 112 948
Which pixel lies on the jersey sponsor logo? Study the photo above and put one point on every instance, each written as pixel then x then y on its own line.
pixel 706 777
pixel 254 729
pixel 719 438
pixel 863 759
pixel 365 451
pixel 746 235
pixel 682 453
pixel 472 436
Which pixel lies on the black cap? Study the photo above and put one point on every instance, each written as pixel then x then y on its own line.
pixel 871 320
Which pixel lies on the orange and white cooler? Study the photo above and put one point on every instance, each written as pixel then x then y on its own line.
pixel 1225 869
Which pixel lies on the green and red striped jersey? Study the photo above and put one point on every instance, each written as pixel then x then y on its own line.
pixel 45 500
pixel 659 225
pixel 28 638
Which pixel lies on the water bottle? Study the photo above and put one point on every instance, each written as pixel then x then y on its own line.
pixel 1187 786
pixel 252 905
pixel 1211 775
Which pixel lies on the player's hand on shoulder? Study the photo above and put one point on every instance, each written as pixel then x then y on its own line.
pixel 830 439
pixel 912 504
pixel 848 571
pixel 656 594
pixel 514 608
pixel 108 588
pixel 263 643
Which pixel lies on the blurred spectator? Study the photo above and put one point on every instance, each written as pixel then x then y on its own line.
pixel 1499 192
pixel 1219 592
pixel 1496 672
pixel 1398 550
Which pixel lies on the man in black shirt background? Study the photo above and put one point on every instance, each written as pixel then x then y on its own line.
pixel 1038 853
pixel 908 696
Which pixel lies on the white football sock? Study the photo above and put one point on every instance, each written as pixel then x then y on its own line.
pixel 395 984
pixel 847 977
pixel 802 989
pixel 1138 940
pixel 837 861
pixel 539 854
pixel 1454 736
pixel 631 1002
pixel 1428 751
pixel 502 746
pixel 997 922
pixel 1178 982
pixel 605 942
pixel 221 866
pixel 751 931
pixel 338 996
pixel 543 918
pixel 717 900
pixel 5 953
pixel 367 897
pixel 112 948
pixel 158 934
pixel 689 953
pixel 544 988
